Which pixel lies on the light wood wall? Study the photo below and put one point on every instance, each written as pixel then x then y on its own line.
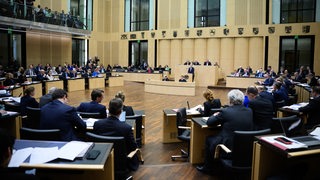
pixel 230 51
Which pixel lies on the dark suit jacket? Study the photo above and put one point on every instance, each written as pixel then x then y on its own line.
pixel 268 82
pixel 27 101
pixel 262 110
pixel 45 99
pixel 208 105
pixel 191 70
pixel 57 115
pixel 313 111
pixel 128 109
pixel 232 118
pixel 92 107
pixel 111 126
pixel 16 174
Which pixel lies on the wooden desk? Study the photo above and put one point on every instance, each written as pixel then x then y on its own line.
pixel 101 168
pixel 75 84
pixel 12 123
pixel 16 91
pixel 96 83
pixel 55 83
pixel 269 161
pixel 285 112
pixel 138 77
pixel 115 81
pixel 169 127
pixel 303 93
pixel 203 75
pixel 241 82
pixel 170 87
pixel 37 88
pixel 199 132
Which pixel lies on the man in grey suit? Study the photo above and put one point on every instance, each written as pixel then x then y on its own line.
pixel 45 99
pixel 236 117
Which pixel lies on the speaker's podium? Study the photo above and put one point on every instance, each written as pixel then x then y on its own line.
pixel 203 75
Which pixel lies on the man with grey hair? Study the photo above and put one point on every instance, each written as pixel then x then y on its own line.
pixel 236 117
pixel 45 99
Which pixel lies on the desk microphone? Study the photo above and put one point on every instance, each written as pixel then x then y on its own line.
pixel 20 94
pixel 188 104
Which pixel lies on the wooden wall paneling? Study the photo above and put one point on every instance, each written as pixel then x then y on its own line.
pixel 66 49
pixel 241 12
pixel 183 14
pixel 256 53
pixel 273 52
pixel 106 52
pixel 123 53
pixel 227 56
pixel 200 50
pixel 231 15
pixel 213 50
pixel 115 17
pixel 101 10
pixel 175 14
pixel 241 52
pixel 316 63
pixel 107 19
pixel 115 52
pixel 163 14
pixel 45 48
pixel 33 48
pixel 176 52
pixel 187 49
pixel 164 53
pixel 151 51
pixel 257 12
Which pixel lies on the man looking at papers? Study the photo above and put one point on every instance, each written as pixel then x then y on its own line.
pixel 94 106
pixel 58 115
pixel 313 108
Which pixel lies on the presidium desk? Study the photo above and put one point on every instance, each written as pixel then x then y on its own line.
pixel 102 168
pixel 170 87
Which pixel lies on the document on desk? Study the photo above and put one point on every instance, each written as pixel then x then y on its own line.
pixel 316 133
pixel 296 106
pixel 20 156
pixel 90 122
pixel 194 110
pixel 72 149
pixel 43 155
pixel 290 146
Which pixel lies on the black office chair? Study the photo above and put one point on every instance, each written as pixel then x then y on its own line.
pixel 238 161
pixel 121 159
pixel 214 110
pixel 183 132
pixel 290 126
pixel 96 115
pixel 15 107
pixel 40 134
pixel 33 118
pixel 138 128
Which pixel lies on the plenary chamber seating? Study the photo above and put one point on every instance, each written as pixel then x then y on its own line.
pixel 95 115
pixel 138 127
pixel 40 134
pixel 238 161
pixel 183 132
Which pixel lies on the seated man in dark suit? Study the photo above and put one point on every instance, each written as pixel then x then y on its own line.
pixel 128 109
pixel 58 115
pixel 262 109
pixel 6 147
pixel 45 99
pixel 313 108
pixel 112 126
pixel 97 96
pixel 236 117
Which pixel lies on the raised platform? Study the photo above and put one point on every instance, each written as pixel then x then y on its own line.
pixel 170 87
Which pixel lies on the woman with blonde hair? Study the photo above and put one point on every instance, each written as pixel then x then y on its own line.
pixel 128 109
pixel 210 103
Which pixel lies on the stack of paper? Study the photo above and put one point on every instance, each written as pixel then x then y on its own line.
pixel 296 106
pixel 90 122
pixel 40 155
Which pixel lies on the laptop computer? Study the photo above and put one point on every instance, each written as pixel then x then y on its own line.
pixel 307 140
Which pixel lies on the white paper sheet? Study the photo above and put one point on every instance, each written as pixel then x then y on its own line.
pixel 72 149
pixel 43 155
pixel 90 122
pixel 20 156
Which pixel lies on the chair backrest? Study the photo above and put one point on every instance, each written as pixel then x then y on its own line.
pixel 181 119
pixel 138 128
pixel 40 134
pixel 243 147
pixel 96 115
pixel 290 126
pixel 119 145
pixel 214 110
pixel 33 118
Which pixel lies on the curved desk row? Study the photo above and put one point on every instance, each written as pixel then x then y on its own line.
pixel 241 82
pixel 138 77
pixel 170 88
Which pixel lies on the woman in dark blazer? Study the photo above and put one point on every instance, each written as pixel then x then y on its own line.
pixel 128 109
pixel 209 104
pixel 28 100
